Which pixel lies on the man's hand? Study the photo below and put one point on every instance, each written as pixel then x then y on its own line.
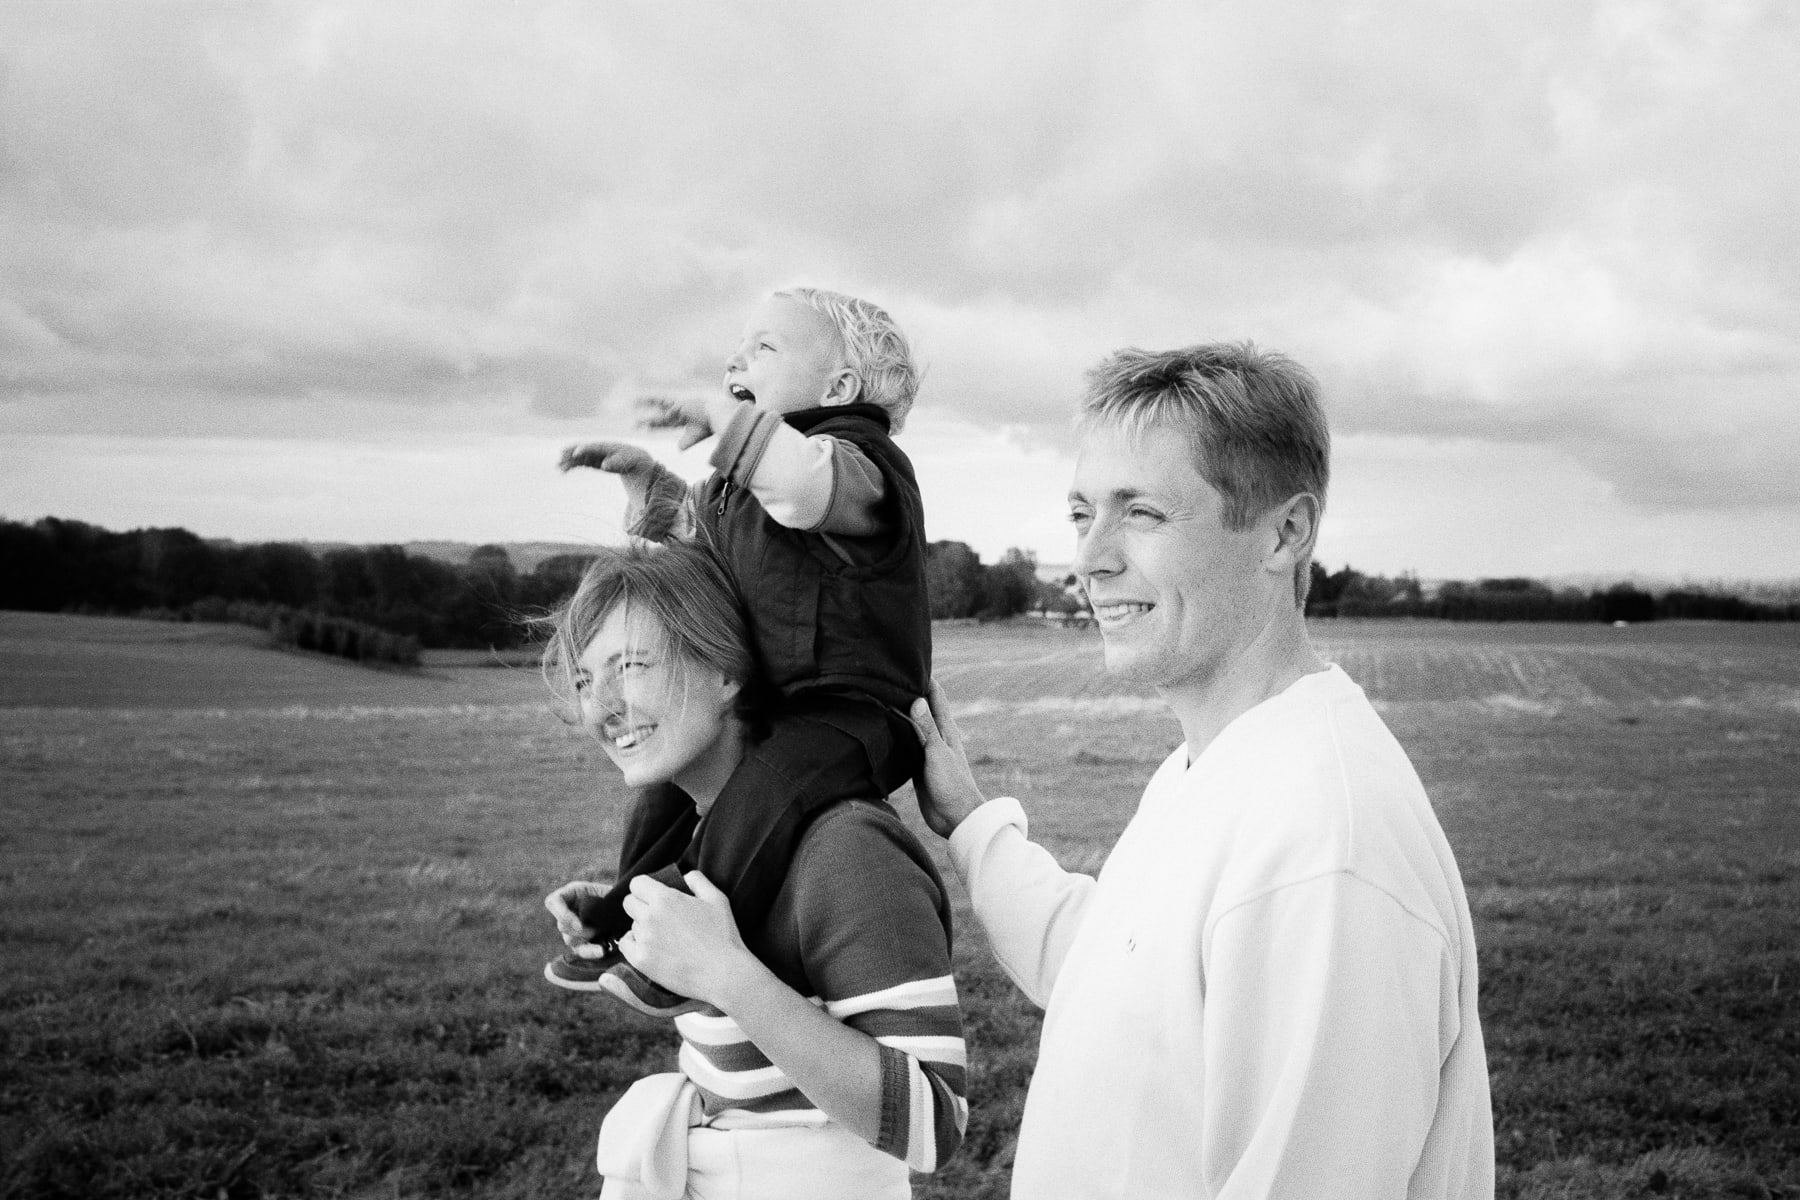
pixel 946 787
pixel 695 418
pixel 562 903
pixel 688 944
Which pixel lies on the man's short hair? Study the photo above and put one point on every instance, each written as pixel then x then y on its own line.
pixel 874 348
pixel 1252 419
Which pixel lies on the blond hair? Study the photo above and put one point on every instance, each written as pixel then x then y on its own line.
pixel 874 348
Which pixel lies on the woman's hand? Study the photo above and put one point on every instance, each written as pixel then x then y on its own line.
pixel 946 787
pixel 688 944
pixel 562 904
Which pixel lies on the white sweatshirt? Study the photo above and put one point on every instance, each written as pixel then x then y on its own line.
pixel 1270 989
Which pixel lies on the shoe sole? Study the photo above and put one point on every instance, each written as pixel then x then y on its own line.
pixel 621 991
pixel 573 985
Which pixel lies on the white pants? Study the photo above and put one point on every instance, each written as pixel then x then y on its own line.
pixel 825 1163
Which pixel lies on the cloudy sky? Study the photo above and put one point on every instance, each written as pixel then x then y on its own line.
pixel 356 271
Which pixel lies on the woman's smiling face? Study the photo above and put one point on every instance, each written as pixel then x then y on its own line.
pixel 661 718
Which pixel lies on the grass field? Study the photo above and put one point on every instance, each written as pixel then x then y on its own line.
pixel 271 922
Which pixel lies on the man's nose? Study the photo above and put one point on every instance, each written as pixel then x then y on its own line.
pixel 1096 552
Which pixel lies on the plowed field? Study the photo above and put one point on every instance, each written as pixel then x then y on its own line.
pixel 271 921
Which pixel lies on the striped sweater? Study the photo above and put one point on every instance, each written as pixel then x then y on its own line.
pixel 863 922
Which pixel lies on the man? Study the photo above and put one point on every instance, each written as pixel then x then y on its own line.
pixel 1269 991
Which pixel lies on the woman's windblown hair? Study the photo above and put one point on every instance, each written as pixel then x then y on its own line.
pixel 681 586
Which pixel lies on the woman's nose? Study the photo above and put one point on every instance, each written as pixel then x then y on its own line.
pixel 603 699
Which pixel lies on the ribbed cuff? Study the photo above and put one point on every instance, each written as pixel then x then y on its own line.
pixel 896 1102
pixel 970 838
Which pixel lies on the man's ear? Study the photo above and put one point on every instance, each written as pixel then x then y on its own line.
pixel 1295 526
pixel 844 388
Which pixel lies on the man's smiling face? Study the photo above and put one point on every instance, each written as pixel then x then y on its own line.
pixel 1177 595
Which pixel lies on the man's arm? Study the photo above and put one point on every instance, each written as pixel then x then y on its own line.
pixel 1329 1009
pixel 1029 907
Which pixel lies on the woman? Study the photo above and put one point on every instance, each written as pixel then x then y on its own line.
pixel 833 1062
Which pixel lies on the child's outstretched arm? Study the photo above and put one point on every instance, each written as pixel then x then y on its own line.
pixel 656 497
pixel 818 483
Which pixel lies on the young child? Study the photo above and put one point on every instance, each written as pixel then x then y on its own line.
pixel 818 518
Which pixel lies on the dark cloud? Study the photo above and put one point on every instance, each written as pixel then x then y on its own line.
pixel 1557 224
pixel 1681 438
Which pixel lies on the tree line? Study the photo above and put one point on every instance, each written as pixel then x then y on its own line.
pixel 376 603
pixel 337 601
pixel 1347 592
pixel 962 586
pixel 380 603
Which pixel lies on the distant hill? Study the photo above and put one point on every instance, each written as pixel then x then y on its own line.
pixel 525 555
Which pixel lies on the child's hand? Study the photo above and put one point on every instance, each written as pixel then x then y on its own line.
pixel 620 458
pixel 654 495
pixel 670 412
pixel 562 903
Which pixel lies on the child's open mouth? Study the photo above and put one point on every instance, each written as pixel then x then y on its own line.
pixel 738 391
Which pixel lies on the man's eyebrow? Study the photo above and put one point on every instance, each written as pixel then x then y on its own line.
pixel 1118 493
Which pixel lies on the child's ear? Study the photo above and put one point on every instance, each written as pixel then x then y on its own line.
pixel 844 388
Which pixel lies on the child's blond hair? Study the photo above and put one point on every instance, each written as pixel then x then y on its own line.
pixel 874 348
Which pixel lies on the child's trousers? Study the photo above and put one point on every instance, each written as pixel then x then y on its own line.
pixel 829 749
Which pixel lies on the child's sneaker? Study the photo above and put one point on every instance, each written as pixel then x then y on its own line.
pixel 625 982
pixel 610 973
pixel 579 973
